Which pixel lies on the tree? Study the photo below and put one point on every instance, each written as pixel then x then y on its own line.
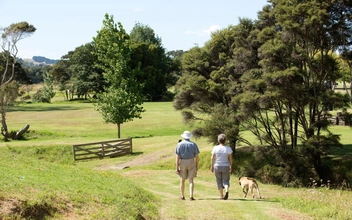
pixel 157 69
pixel 46 93
pixel 175 67
pixel 122 100
pixel 20 75
pixel 289 101
pixel 274 77
pixel 10 37
pixel 86 77
pixel 61 75
pixel 35 73
pixel 211 80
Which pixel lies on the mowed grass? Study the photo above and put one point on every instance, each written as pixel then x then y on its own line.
pixel 77 122
pixel 40 176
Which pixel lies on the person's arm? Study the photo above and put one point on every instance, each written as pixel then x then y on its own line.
pixel 212 162
pixel 178 158
pixel 197 160
pixel 230 162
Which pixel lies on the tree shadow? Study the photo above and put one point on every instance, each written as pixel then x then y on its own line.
pixel 241 199
pixel 136 153
pixel 345 152
pixel 47 107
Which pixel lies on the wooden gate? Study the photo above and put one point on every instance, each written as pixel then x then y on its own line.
pixel 103 149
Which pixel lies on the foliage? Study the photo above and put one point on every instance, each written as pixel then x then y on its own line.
pixel 157 70
pixel 8 95
pixel 211 81
pixel 10 37
pixel 294 92
pixel 46 93
pixel 85 76
pixel 121 102
pixel 20 76
pixel 36 73
pixel 274 77
pixel 60 71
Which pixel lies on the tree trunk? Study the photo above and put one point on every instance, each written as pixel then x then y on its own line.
pixel 4 130
pixel 350 93
pixel 22 131
pixel 118 130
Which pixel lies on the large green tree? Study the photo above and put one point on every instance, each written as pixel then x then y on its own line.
pixel 274 77
pixel 157 69
pixel 86 77
pixel 10 37
pixel 211 80
pixel 288 103
pixel 122 99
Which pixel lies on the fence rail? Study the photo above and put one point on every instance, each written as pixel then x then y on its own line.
pixel 102 149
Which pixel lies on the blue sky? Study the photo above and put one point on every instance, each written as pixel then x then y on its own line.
pixel 66 24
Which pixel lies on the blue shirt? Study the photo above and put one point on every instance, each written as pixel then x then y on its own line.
pixel 187 149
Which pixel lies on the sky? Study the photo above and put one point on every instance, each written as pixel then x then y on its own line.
pixel 66 24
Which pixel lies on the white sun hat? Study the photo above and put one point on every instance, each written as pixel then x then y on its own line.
pixel 186 135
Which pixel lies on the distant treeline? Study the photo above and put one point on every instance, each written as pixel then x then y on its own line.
pixel 41 59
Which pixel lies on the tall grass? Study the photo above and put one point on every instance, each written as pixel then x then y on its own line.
pixel 320 203
pixel 42 178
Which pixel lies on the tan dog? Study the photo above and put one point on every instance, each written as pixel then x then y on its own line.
pixel 248 183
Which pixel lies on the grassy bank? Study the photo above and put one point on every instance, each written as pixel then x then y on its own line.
pixel 43 182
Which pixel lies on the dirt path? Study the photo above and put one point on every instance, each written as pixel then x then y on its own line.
pixel 165 185
pixel 141 160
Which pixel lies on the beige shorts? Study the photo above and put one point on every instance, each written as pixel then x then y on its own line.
pixel 188 168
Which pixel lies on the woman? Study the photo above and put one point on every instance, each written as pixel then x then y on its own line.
pixel 221 165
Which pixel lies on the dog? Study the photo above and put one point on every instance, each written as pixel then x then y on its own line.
pixel 248 183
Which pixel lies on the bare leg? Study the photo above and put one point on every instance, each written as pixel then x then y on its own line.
pixel 221 193
pixel 182 187
pixel 191 187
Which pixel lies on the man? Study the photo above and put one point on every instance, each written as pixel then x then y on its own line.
pixel 187 163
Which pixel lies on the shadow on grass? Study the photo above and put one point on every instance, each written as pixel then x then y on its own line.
pixel 342 153
pixel 33 107
pixel 144 136
pixel 240 199
pixel 136 153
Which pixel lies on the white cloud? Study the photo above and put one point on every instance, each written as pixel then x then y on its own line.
pixel 205 32
pixel 138 9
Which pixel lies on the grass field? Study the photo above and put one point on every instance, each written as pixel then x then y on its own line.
pixel 40 180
